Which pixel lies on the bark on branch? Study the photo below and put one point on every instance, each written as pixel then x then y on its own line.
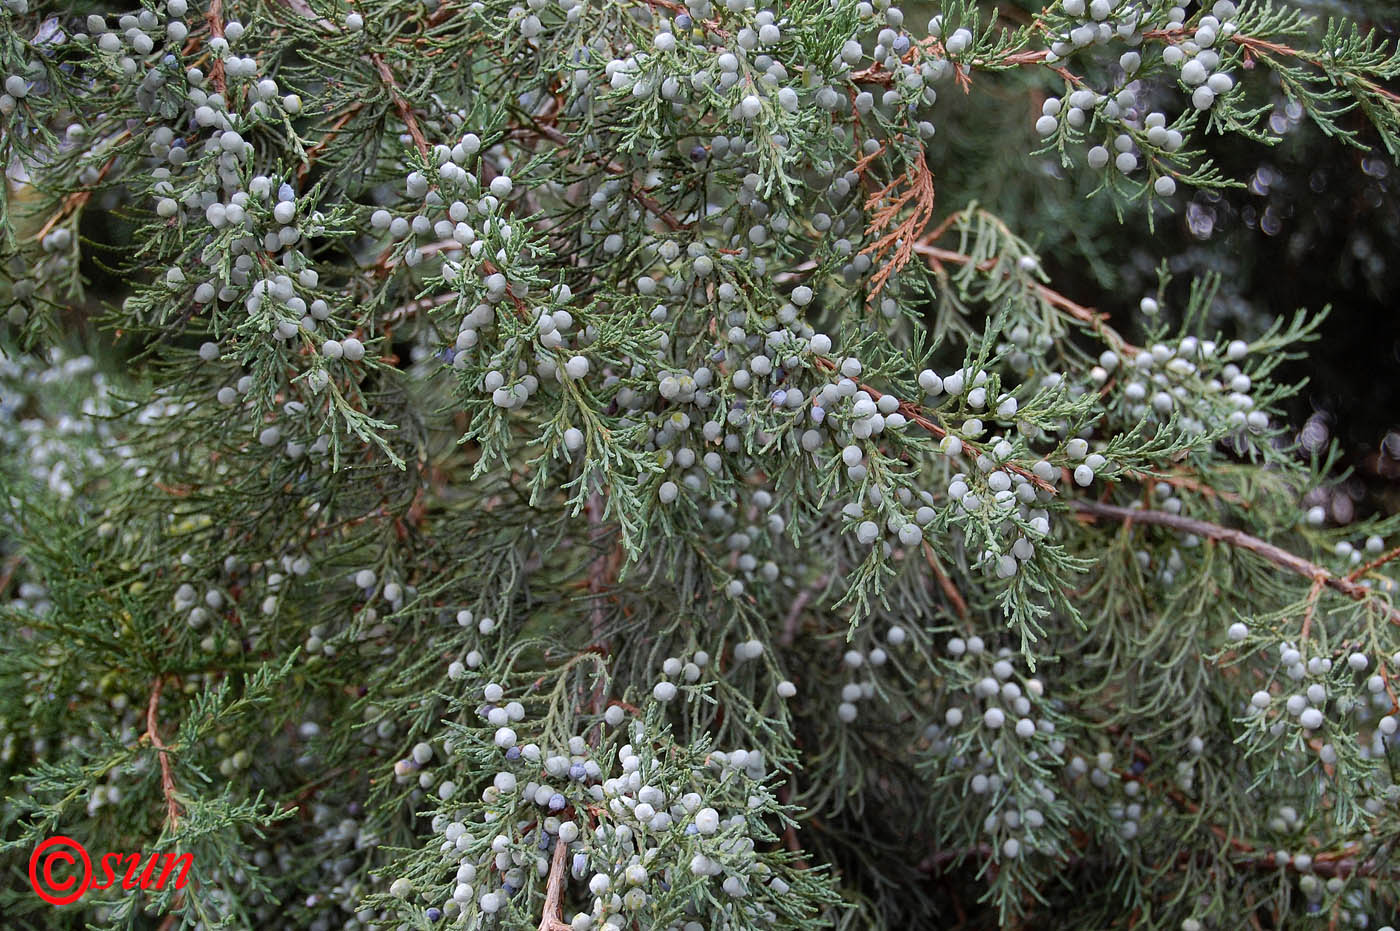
pixel 167 776
pixel 1240 540
pixel 551 919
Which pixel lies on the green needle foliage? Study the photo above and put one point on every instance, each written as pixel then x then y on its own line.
pixel 575 465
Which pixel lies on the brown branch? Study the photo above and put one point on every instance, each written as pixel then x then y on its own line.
pixel 386 262
pixel 303 9
pixel 1389 687
pixel 1095 319
pixel 790 840
pixel 1311 608
pixel 400 104
pixel 1238 539
pixel 1376 563
pixel 1177 480
pixel 215 18
pixel 77 199
pixel 404 311
pixel 935 862
pixel 441 14
pixel 314 152
pixel 552 919
pixel 789 632
pixel 11 564
pixel 949 589
pixel 167 777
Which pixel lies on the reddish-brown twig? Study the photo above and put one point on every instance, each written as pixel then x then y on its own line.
pixel 314 152
pixel 790 832
pixel 77 199
pixel 1240 540
pixel 167 776
pixel 794 615
pixel 1376 563
pixel 1310 608
pixel 1177 480
pixel 11 564
pixel 1389 686
pixel 215 18
pixel 400 104
pixel 944 582
pixel 404 311
pixel 552 919
pixel 1095 319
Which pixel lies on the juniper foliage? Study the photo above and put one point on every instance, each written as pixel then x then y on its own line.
pixel 574 465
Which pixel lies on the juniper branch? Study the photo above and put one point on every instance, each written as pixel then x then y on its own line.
pixel 1238 539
